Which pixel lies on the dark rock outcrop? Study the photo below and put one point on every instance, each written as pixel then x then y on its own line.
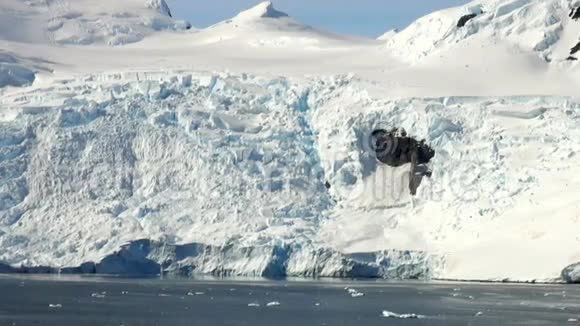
pixel 464 19
pixel 575 13
pixel 396 149
pixel 575 49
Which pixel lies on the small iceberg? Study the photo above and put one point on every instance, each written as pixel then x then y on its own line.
pixel 390 314
pixel 354 293
pixel 273 304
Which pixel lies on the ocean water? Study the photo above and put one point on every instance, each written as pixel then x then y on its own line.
pixel 74 301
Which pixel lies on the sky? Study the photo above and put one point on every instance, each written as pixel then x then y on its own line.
pixel 369 18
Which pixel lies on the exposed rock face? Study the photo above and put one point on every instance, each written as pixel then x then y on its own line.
pixel 395 149
pixel 575 13
pixel 575 49
pixel 463 20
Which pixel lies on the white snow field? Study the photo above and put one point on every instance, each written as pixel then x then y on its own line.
pixel 130 144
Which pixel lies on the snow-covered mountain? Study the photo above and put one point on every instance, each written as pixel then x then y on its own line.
pixel 243 148
pixel 84 21
pixel 265 26
pixel 546 27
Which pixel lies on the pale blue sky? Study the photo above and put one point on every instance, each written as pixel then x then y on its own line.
pixel 358 17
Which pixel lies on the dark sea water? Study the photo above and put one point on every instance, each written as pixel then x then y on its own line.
pixel 142 302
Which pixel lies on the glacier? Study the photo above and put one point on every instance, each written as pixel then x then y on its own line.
pixel 96 157
pixel 132 144
pixel 245 175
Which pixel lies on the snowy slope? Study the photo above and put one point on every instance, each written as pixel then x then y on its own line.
pixel 243 148
pixel 84 21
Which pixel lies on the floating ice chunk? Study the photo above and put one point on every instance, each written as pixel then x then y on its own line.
pixel 253 304
pixel 354 293
pixel 55 306
pixel 273 304
pixel 390 314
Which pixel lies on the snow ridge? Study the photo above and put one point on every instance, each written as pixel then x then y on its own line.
pixel 263 10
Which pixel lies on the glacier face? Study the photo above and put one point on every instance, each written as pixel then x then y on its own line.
pixel 245 175
pixel 157 159
pixel 571 274
pixel 14 72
